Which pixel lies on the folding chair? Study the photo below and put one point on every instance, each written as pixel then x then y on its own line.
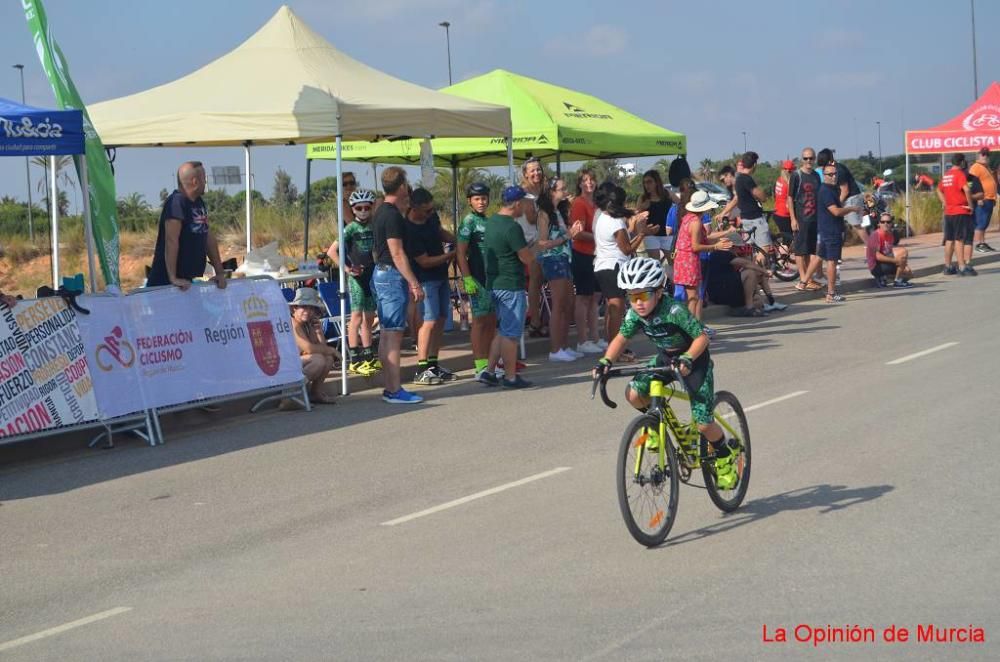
pixel 330 295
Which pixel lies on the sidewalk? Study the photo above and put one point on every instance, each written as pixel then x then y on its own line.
pixel 926 259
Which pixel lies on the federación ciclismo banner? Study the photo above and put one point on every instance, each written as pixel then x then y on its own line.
pixel 103 209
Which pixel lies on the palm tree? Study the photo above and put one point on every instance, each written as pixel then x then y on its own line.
pixel 705 169
pixel 63 179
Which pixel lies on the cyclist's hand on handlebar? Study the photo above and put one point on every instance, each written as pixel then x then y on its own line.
pixel 683 365
pixel 602 368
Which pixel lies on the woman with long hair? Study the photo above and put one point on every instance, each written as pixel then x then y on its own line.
pixel 581 219
pixel 555 254
pixel 614 246
pixel 533 181
pixel 657 201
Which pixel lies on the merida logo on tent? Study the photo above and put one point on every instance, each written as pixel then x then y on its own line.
pixel 983 117
pixel 580 113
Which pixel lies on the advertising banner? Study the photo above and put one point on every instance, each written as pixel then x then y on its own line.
pixel 45 381
pixel 166 347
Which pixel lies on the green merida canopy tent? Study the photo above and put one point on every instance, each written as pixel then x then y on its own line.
pixel 548 121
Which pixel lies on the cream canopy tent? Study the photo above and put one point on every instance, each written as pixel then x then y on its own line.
pixel 287 85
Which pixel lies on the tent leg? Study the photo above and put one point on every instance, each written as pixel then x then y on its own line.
pixel 558 164
pixel 246 165
pixel 454 197
pixel 54 211
pixel 906 220
pixel 305 238
pixel 88 224
pixel 344 358
pixel 510 161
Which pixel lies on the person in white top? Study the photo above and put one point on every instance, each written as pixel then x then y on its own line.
pixel 614 246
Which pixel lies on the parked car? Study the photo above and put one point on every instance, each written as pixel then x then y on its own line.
pixel 716 192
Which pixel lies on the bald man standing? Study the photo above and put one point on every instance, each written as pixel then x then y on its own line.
pixel 184 240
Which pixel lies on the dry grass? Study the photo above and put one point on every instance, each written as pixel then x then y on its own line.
pixel 925 212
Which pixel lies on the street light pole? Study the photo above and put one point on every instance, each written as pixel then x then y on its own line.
pixel 878 126
pixel 744 141
pixel 447 35
pixel 27 167
pixel 975 65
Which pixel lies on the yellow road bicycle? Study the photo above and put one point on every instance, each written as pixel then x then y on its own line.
pixel 649 473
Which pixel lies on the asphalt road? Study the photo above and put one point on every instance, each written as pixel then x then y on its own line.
pixel 349 533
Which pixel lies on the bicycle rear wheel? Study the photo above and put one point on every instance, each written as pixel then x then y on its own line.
pixel 647 492
pixel 784 267
pixel 729 414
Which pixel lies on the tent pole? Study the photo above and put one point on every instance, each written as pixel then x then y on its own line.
pixel 344 358
pixel 454 196
pixel 88 223
pixel 305 238
pixel 54 213
pixel 907 203
pixel 510 161
pixel 246 165
pixel 558 164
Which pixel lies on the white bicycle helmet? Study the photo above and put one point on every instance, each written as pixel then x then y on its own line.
pixel 361 196
pixel 641 273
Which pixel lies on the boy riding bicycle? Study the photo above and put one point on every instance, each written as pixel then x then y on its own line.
pixel 682 339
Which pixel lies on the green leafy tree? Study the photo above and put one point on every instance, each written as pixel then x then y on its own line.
pixel 285 193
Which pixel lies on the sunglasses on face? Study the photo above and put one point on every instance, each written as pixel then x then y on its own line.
pixel 362 207
pixel 642 296
pixel 808 158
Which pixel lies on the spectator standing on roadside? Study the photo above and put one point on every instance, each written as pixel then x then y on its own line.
pixel 956 197
pixel 748 198
pixel 533 182
pixel 358 242
pixel 615 245
pixel 581 218
pixel 184 240
pixel 658 202
pixel 424 246
pixel 983 212
pixel 831 228
pixel 885 261
pixel 692 239
pixel 803 192
pixel 850 192
pixel 555 255
pixel 394 282
pixel 507 254
pixel 472 264
pixel 727 177
pixel 350 185
pixel 782 217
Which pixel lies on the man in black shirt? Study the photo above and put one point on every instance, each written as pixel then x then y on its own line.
pixel 184 239
pixel 850 192
pixel 803 189
pixel 425 239
pixel 748 199
pixel 393 281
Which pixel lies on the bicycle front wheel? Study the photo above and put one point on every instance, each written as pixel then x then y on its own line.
pixel 729 414
pixel 647 485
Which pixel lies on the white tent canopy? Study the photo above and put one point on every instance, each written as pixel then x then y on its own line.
pixel 287 85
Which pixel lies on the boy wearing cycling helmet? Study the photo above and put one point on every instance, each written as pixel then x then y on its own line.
pixel 472 264
pixel 680 338
pixel 358 242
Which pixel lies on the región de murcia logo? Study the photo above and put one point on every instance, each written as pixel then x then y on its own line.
pixel 262 339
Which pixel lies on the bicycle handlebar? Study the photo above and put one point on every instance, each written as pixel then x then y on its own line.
pixel 667 373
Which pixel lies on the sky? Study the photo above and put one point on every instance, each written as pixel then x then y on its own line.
pixel 787 73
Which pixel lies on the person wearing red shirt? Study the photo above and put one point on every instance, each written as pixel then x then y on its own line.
pixel 782 218
pixel 956 198
pixel 581 230
pixel 885 261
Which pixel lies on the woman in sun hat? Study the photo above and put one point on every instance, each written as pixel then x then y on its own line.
pixel 317 356
pixel 692 240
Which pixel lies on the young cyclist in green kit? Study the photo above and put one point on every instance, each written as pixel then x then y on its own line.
pixel 680 338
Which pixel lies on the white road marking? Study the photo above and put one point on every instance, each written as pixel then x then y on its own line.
pixel 59 629
pixel 477 495
pixel 775 400
pixel 910 357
